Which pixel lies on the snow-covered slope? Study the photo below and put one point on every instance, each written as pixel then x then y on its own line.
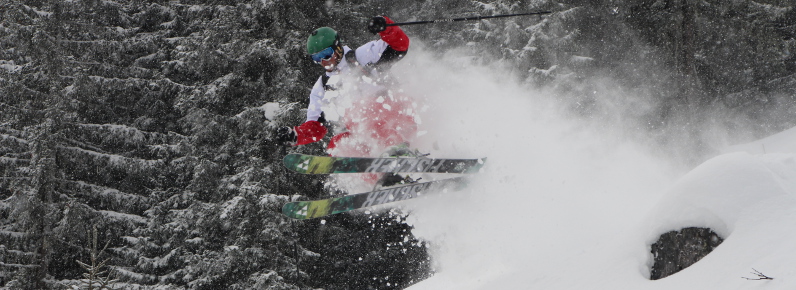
pixel 569 204
pixel 783 142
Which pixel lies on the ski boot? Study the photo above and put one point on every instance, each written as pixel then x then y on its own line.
pixel 390 179
pixel 397 151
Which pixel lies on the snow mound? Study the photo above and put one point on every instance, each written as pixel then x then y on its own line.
pixel 750 200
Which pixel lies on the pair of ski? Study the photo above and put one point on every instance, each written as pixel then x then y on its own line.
pixel 310 164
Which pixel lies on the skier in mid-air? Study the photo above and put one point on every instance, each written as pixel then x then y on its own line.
pixel 381 118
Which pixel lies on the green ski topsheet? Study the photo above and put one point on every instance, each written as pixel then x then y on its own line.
pixel 311 164
pixel 324 207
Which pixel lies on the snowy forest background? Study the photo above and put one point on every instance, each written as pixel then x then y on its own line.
pixel 152 122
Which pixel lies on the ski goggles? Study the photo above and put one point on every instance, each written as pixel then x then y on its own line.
pixel 325 54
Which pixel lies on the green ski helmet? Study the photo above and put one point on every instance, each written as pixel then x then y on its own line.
pixel 322 38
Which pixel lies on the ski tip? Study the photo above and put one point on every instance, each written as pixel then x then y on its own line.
pixel 294 210
pixel 293 162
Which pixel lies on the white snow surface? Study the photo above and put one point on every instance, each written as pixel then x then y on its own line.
pixel 566 203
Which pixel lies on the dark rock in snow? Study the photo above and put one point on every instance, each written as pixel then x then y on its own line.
pixel 676 250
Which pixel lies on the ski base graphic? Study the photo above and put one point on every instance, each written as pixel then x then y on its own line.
pixel 324 207
pixel 311 164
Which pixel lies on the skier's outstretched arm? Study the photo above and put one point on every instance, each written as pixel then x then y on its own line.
pixel 392 35
pixel 391 46
pixel 312 130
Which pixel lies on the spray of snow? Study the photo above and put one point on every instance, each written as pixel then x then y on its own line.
pixel 563 203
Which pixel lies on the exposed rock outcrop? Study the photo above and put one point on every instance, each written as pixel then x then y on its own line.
pixel 676 250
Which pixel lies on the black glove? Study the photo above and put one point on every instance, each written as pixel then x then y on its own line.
pixel 377 24
pixel 286 135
